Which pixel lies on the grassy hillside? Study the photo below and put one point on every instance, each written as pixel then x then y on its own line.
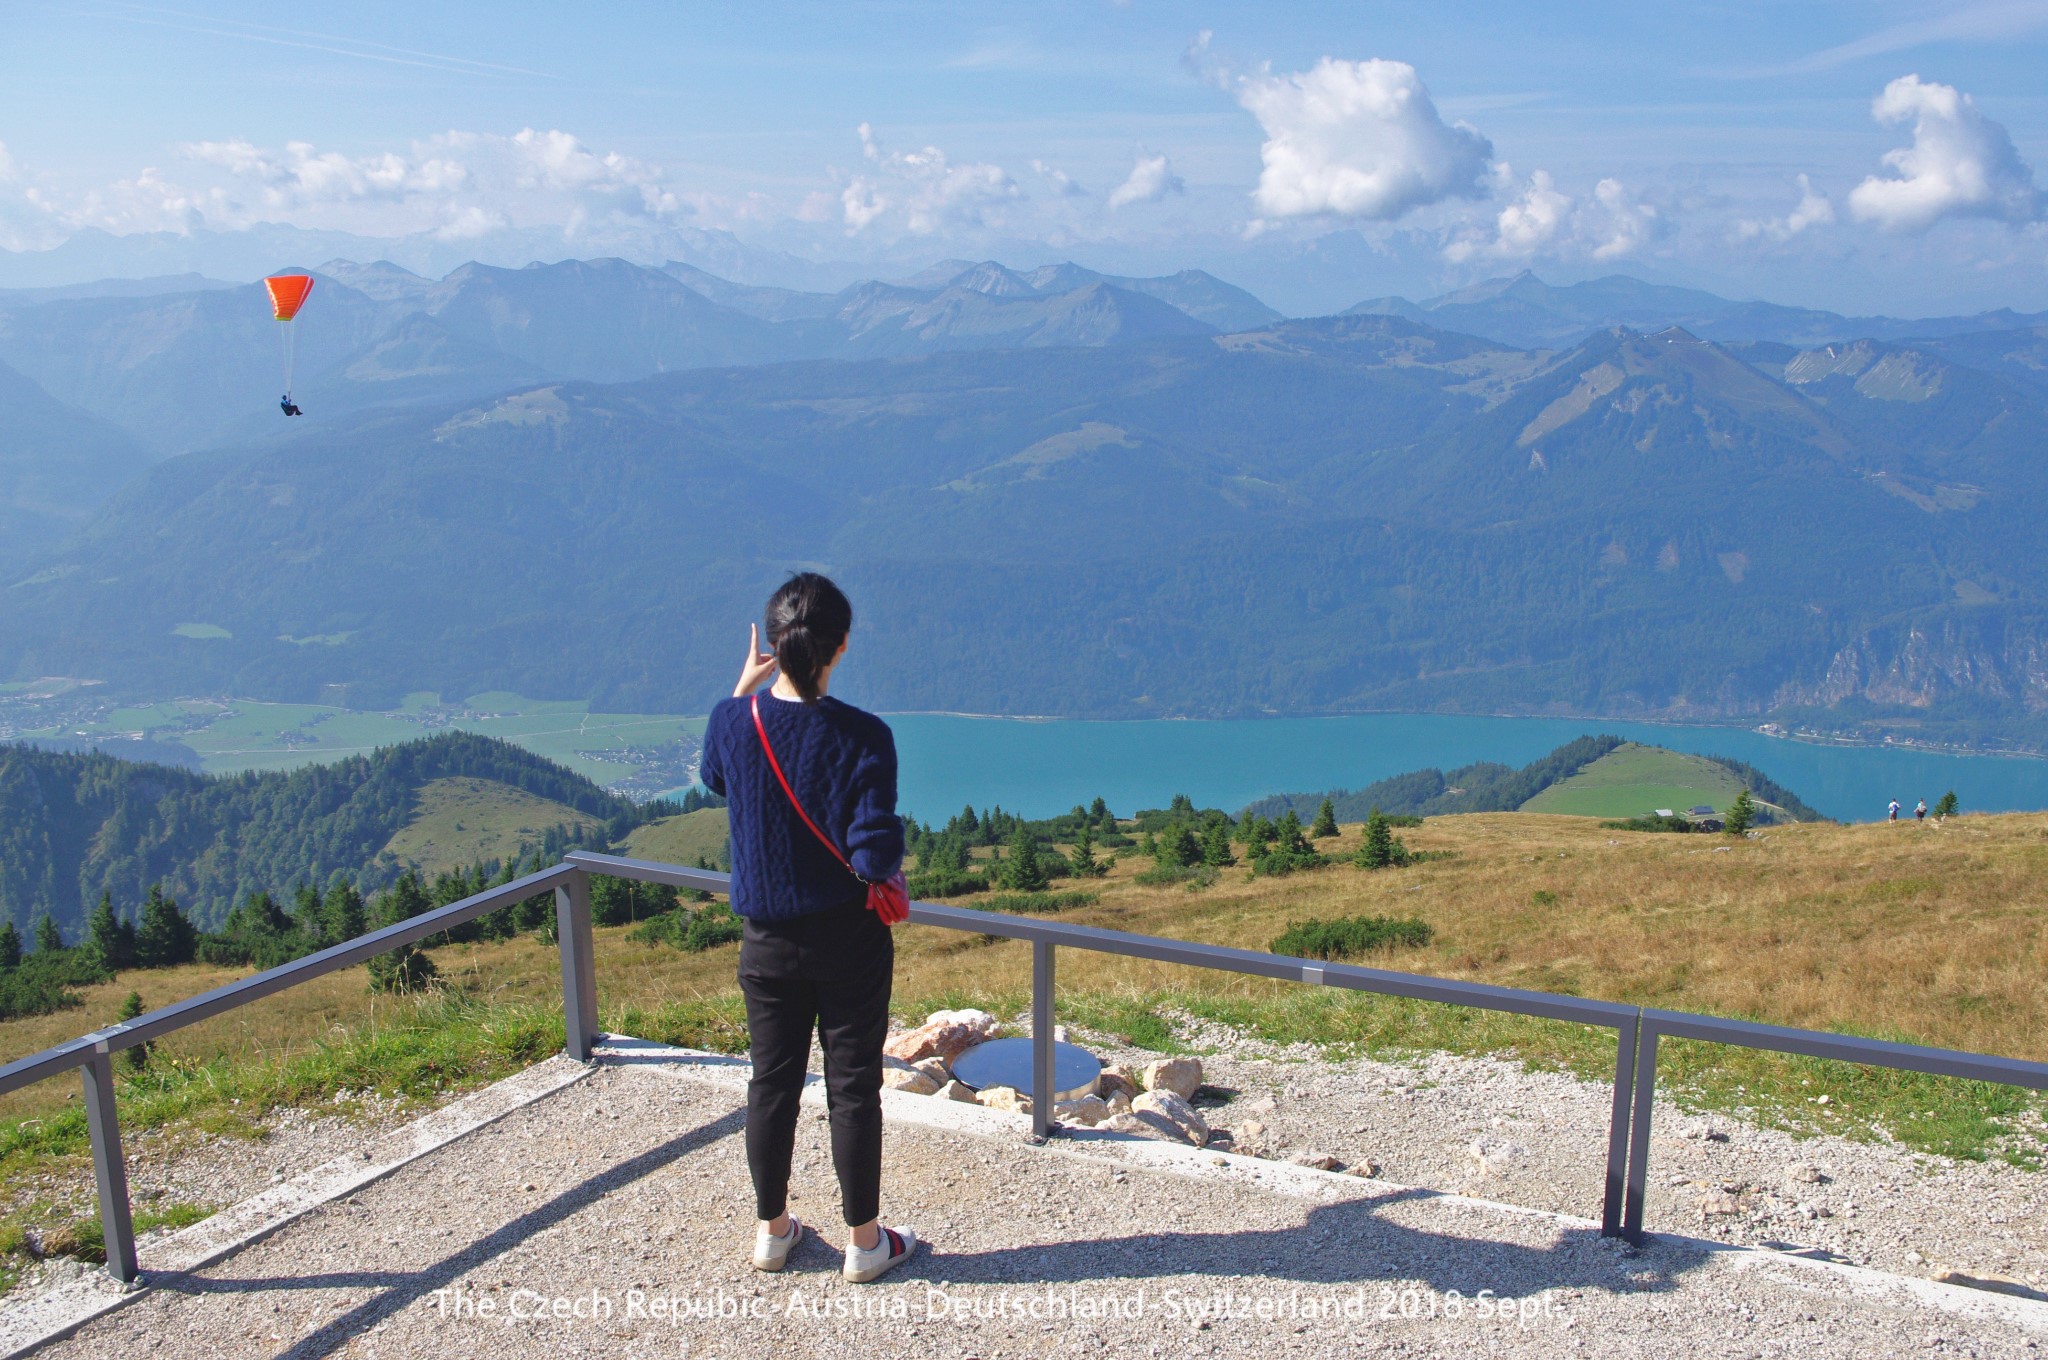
pixel 681 839
pixel 74 826
pixel 461 821
pixel 1634 780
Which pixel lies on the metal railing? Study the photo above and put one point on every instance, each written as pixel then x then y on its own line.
pixel 1637 1029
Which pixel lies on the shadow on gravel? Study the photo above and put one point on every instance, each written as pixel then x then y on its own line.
pixel 1349 1243
pixel 402 1288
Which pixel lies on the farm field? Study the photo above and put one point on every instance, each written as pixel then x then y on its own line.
pixel 1635 780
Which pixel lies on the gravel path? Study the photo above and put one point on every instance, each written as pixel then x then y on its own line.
pixel 1492 1129
pixel 634 1180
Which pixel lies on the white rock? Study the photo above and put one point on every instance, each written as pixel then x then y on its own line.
pixel 1155 1126
pixel 1718 1204
pixel 1804 1173
pixel 1120 1103
pixel 1182 1076
pixel 898 1075
pixel 1320 1161
pixel 1007 1098
pixel 1117 1078
pixel 1087 1111
pixel 935 1068
pixel 978 1020
pixel 1170 1106
pixel 958 1090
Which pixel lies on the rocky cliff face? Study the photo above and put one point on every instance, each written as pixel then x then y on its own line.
pixel 1996 659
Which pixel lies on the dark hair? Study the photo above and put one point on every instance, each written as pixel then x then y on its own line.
pixel 807 620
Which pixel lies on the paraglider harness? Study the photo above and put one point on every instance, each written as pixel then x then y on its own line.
pixel 285 403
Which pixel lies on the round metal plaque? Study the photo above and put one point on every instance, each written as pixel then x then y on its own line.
pixel 1007 1062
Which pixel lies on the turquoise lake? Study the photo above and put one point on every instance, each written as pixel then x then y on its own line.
pixel 1039 768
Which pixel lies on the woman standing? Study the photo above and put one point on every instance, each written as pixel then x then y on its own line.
pixel 813 957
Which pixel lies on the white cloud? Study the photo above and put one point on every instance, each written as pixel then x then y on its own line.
pixel 1527 225
pixel 1150 180
pixel 1358 139
pixel 1961 164
pixel 1062 183
pixel 1618 225
pixel 1815 209
pixel 929 190
pixel 6 164
pixel 454 185
pixel 1543 219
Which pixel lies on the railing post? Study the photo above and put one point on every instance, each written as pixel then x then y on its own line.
pixel 1041 1039
pixel 1639 1134
pixel 109 1169
pixel 579 967
pixel 1618 1124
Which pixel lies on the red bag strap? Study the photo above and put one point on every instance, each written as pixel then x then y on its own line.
pixel 783 780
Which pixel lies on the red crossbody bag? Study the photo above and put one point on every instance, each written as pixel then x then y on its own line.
pixel 888 899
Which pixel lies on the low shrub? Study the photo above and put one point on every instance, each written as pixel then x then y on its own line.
pixel 1038 902
pixel 1350 936
pixel 942 883
pixel 1652 823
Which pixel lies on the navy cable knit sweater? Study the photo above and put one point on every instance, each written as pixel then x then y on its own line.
pixel 842 763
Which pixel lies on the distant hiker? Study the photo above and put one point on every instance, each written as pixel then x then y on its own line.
pixel 1893 815
pixel 285 404
pixel 800 769
pixel 1920 812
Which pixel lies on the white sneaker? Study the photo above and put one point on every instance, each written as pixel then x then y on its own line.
pixel 891 1249
pixel 772 1252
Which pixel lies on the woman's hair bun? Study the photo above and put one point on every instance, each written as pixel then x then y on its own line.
pixel 807 620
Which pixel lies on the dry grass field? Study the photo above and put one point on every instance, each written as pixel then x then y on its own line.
pixel 1934 933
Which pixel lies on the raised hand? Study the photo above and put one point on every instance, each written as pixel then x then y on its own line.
pixel 759 665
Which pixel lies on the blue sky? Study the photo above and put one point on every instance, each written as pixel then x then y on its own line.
pixel 1316 152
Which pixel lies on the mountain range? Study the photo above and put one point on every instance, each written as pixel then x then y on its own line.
pixel 1129 516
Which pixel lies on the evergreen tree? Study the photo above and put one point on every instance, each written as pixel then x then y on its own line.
pixel 341 913
pixel 109 940
pixel 1287 835
pixel 1098 812
pixel 406 968
pixel 136 1056
pixel 49 938
pixel 1258 836
pixel 1326 821
pixel 1381 848
pixel 165 937
pixel 1216 845
pixel 1022 872
pixel 1149 846
pixel 1178 848
pixel 1740 814
pixel 1082 860
pixel 1947 806
pixel 10 946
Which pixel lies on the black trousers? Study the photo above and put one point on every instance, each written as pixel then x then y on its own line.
pixel 829 972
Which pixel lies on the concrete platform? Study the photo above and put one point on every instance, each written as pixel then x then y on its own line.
pixel 610 1216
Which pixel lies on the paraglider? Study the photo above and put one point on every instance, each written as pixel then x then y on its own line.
pixel 288 294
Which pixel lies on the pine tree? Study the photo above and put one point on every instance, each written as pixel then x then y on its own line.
pixel 1179 849
pixel 341 912
pixel 165 937
pixel 49 938
pixel 1740 814
pixel 135 1056
pixel 10 946
pixel 1947 806
pixel 1216 845
pixel 109 941
pixel 1288 835
pixel 406 968
pixel 1326 821
pixel 1022 872
pixel 1082 861
pixel 1379 849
